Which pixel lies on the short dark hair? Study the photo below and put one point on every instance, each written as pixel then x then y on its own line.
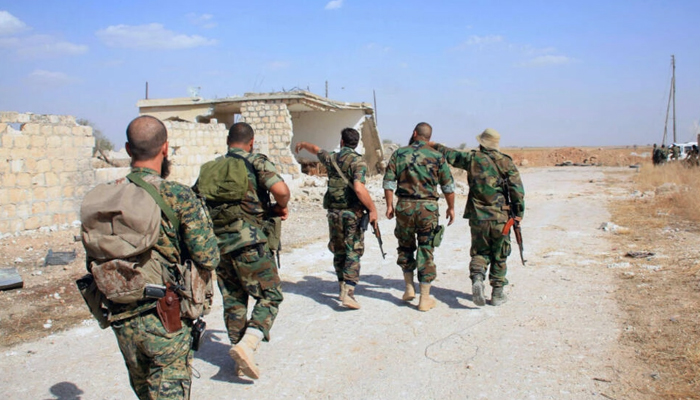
pixel 240 132
pixel 350 137
pixel 424 130
pixel 145 135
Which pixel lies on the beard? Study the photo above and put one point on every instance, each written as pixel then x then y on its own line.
pixel 165 168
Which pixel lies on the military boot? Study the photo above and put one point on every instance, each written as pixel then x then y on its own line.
pixel 348 296
pixel 425 303
pixel 498 297
pixel 242 353
pixel 341 295
pixel 410 292
pixel 478 292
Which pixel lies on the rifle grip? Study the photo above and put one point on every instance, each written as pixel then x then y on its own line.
pixel 509 224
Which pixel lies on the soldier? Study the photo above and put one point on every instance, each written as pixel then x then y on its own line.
pixel 663 154
pixel 675 152
pixel 414 172
pixel 655 155
pixel 693 157
pixel 159 362
pixel 245 233
pixel 486 168
pixel 346 201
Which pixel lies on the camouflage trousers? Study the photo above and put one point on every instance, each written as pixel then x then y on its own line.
pixel 347 243
pixel 490 247
pixel 159 363
pixel 250 271
pixel 416 221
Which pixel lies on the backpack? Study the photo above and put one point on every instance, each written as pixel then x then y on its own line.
pixel 340 193
pixel 120 226
pixel 224 179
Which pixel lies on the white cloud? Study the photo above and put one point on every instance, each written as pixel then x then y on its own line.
pixel 39 46
pixel 480 41
pixel 375 46
pixel 547 60
pixel 42 77
pixel 150 36
pixel 9 24
pixel 334 4
pixel 204 20
pixel 277 65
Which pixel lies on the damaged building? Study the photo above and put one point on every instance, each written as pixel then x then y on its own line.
pixel 280 120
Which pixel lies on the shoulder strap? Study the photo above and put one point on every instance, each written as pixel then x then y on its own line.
pixel 337 168
pixel 500 174
pixel 167 210
pixel 248 164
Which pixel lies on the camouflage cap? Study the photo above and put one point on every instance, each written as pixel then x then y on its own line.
pixel 489 138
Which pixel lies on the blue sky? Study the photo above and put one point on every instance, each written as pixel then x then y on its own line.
pixel 543 73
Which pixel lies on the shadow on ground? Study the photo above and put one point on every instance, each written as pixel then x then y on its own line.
pixel 325 292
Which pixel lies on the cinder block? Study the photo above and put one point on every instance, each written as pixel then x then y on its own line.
pixel 38 180
pixel 54 206
pixel 8 116
pixel 23 210
pixel 37 141
pixel 38 207
pixel 53 192
pixel 57 165
pixel 39 193
pixel 47 130
pixel 43 165
pixel 68 191
pixel 53 142
pixel 52 179
pixel 24 180
pixel 32 223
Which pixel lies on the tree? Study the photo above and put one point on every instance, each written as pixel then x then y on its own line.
pixel 101 141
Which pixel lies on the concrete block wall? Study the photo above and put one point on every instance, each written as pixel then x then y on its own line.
pixel 45 170
pixel 191 145
pixel 272 123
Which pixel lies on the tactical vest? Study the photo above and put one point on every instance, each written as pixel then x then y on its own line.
pixel 339 194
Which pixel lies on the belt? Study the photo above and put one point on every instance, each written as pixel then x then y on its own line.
pixel 417 199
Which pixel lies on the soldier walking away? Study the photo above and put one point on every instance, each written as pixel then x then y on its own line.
pixel 346 200
pixel 487 169
pixel 675 152
pixel 663 154
pixel 156 341
pixel 693 157
pixel 414 172
pixel 655 155
pixel 237 190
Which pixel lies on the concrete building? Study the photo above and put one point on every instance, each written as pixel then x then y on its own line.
pixel 280 121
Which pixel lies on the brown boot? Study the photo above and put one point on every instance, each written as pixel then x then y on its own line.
pixel 242 353
pixel 425 303
pixel 341 295
pixel 348 296
pixel 410 292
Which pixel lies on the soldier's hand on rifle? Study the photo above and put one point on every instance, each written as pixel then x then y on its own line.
pixel 518 219
pixel 373 217
pixel 450 216
pixel 390 211
pixel 282 212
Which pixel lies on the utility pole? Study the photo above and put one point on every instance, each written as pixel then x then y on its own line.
pixel 376 114
pixel 146 90
pixel 673 89
pixel 326 89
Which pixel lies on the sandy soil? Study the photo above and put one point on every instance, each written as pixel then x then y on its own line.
pixel 556 338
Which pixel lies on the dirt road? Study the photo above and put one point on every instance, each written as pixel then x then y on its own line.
pixel 556 337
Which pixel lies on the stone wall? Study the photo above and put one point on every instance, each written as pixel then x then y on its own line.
pixel 44 170
pixel 272 123
pixel 193 144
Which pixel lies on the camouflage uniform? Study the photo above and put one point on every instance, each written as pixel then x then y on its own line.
pixel 344 212
pixel 413 173
pixel 247 265
pixel 159 363
pixel 485 208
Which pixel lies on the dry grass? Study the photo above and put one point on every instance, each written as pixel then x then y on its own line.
pixel 662 306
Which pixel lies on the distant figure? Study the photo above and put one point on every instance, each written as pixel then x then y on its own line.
pixel 346 200
pixel 675 152
pixel 414 172
pixel 663 154
pixel 693 157
pixel 487 210
pixel 656 155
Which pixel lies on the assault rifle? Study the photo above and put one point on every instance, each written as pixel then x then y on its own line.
pixel 512 222
pixel 364 222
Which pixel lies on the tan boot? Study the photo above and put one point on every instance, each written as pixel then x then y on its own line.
pixel 341 295
pixel 410 292
pixel 348 296
pixel 425 303
pixel 242 353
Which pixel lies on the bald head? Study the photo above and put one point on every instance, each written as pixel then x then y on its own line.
pixel 423 131
pixel 145 136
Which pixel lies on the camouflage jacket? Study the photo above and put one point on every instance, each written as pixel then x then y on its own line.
pixel 247 229
pixel 485 168
pixel 197 239
pixel 339 195
pixel 415 171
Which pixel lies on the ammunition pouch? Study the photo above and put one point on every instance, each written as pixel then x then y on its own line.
pixel 437 235
pixel 272 228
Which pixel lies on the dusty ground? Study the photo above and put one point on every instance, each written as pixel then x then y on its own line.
pixel 563 334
